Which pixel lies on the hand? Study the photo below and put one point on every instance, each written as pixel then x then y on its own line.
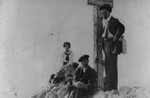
pixel 114 39
pixel 80 85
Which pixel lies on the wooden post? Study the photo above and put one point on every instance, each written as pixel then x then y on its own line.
pixel 98 47
pixel 98 57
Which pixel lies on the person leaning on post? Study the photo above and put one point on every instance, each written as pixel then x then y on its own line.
pixel 112 31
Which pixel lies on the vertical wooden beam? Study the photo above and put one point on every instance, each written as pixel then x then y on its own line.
pixel 98 47
pixel 98 57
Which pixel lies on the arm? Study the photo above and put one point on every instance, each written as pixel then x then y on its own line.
pixel 77 71
pixel 77 83
pixel 120 30
pixel 91 85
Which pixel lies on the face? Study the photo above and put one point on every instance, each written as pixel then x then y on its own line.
pixel 66 47
pixel 84 63
pixel 105 14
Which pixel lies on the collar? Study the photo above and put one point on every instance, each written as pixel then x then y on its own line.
pixel 107 18
pixel 67 52
pixel 105 21
pixel 84 69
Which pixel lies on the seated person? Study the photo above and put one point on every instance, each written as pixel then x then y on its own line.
pixel 63 85
pixel 67 56
pixel 60 76
pixel 84 80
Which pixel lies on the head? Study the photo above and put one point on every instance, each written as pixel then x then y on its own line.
pixel 84 60
pixel 67 45
pixel 72 66
pixel 75 65
pixel 105 10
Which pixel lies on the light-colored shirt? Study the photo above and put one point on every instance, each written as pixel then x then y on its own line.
pixel 84 69
pixel 70 55
pixel 105 26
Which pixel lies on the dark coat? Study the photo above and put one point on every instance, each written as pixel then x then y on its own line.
pixel 116 28
pixel 89 78
pixel 112 49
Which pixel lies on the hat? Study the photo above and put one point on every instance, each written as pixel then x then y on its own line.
pixel 83 57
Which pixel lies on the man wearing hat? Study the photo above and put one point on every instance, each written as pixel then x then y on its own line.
pixel 113 30
pixel 84 79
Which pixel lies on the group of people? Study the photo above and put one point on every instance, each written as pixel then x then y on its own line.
pixel 71 80
pixel 80 82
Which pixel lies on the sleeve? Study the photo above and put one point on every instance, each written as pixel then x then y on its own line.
pixel 120 29
pixel 75 78
pixel 92 81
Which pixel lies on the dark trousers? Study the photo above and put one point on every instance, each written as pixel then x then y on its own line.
pixel 111 71
pixel 110 64
pixel 80 93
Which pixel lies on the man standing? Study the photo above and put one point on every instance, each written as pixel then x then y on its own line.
pixel 112 32
pixel 84 80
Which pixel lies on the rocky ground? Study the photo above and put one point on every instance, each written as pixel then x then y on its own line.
pixel 125 92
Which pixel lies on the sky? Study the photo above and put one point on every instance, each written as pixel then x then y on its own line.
pixel 33 32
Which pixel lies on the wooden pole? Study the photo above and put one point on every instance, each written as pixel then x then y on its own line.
pixel 98 56
pixel 98 47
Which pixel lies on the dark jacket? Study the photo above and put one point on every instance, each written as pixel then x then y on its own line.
pixel 89 78
pixel 116 27
pixel 117 30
